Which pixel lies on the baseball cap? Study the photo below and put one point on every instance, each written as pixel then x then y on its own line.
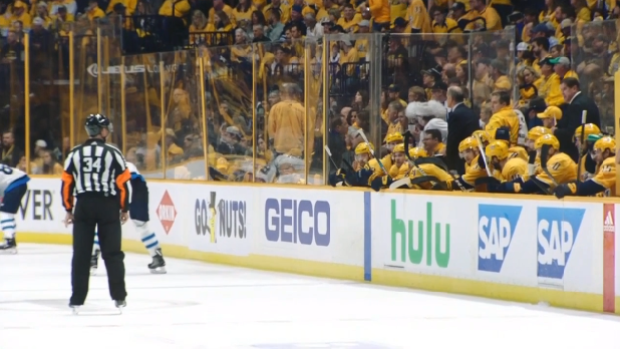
pixel 38 21
pixel 400 22
pixel 524 46
pixel 435 72
pixel 537 104
pixel 297 8
pixel 364 23
pixel 440 85
pixel 393 88
pixel 560 60
pixel 551 112
pixel 566 23
pixel 547 60
pixel 41 143
pixel 458 6
pixel 540 28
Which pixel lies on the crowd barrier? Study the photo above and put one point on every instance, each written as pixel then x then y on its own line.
pixel 154 99
pixel 517 248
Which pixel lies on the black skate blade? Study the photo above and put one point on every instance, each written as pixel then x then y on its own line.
pixel 158 270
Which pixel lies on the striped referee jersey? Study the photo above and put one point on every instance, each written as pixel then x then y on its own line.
pixel 95 167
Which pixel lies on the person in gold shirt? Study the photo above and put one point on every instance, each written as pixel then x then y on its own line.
pixel 398 9
pixel 350 20
pixel 177 8
pixel 285 11
pixel 433 145
pixel 561 66
pixel 286 124
pixel 93 11
pixel 380 11
pixel 418 18
pixel 218 5
pixel 498 74
pixel 510 168
pixel 550 85
pixel 400 167
pixel 442 24
pixel 470 152
pixel 503 116
pixel 479 8
pixel 604 182
pixel 130 6
pixel 20 13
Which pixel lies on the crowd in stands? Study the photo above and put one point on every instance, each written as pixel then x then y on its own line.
pixel 515 66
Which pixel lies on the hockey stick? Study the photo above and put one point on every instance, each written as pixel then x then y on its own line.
pixel 344 161
pixel 544 156
pixel 584 115
pixel 483 156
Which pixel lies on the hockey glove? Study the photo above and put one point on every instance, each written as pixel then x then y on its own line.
pixel 380 182
pixel 563 190
pixel 338 177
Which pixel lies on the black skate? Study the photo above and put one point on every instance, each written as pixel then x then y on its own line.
pixel 120 305
pixel 158 266
pixel 94 262
pixel 8 247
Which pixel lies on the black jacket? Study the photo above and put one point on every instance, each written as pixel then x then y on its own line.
pixel 571 118
pixel 462 122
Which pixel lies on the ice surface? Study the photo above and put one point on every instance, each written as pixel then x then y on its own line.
pixel 199 305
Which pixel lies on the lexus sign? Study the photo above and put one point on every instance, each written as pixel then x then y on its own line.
pixel 129 69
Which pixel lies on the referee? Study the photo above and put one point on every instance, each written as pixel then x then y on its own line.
pixel 96 172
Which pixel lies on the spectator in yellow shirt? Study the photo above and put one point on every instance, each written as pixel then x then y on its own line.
pixel 219 5
pixel 21 14
pixel 242 13
pixel 398 8
pixel 479 8
pixel 323 14
pixel 498 74
pixel 277 5
pixel 350 19
pixel 550 86
pixel 380 11
pixel 93 11
pixel 130 6
pixel 441 24
pixel 286 126
pixel 562 68
pixel 176 8
pixel 419 20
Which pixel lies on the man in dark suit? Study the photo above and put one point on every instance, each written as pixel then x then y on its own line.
pixel 462 122
pixel 576 102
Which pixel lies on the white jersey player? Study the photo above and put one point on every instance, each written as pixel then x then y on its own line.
pixel 139 214
pixel 13 187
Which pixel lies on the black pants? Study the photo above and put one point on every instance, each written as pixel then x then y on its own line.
pixel 92 211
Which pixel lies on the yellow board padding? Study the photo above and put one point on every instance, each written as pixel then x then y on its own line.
pixel 513 293
pixel 434 283
pixel 271 263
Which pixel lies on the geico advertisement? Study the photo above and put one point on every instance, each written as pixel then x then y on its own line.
pixel 222 219
pixel 319 225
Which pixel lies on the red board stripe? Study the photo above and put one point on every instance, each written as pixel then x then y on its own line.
pixel 609 258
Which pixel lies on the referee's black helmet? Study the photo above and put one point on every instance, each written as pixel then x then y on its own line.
pixel 95 123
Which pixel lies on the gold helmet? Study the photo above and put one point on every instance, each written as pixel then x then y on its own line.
pixel 537 131
pixel 399 148
pixel 498 149
pixel 590 129
pixel 362 148
pixel 416 153
pixel 394 138
pixel 468 143
pixel 482 135
pixel 606 143
pixel 547 139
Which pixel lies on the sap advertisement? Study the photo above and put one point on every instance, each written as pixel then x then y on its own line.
pixel 314 227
